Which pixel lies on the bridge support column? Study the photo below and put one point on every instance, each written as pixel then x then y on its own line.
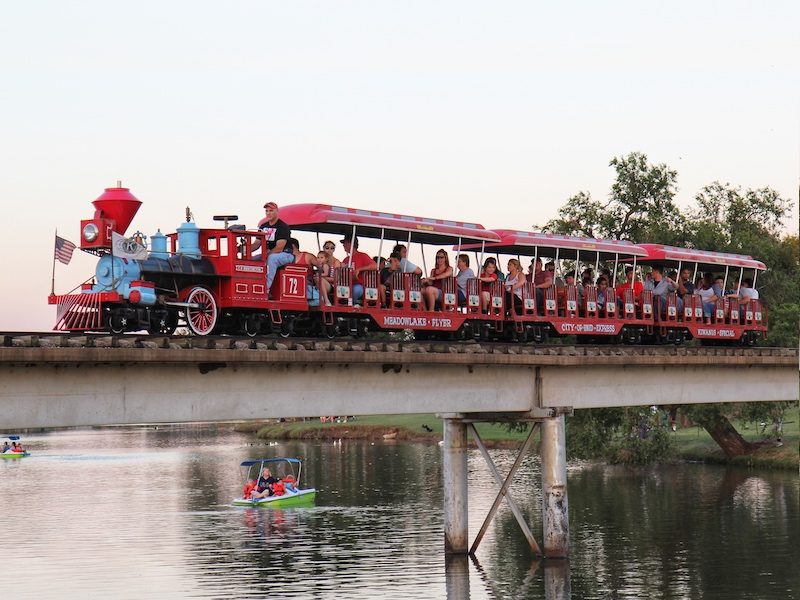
pixel 454 464
pixel 555 513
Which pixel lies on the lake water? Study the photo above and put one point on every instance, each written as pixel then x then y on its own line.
pixel 145 513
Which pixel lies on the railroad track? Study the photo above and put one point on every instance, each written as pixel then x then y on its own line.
pixel 12 339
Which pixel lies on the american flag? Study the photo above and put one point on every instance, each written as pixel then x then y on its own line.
pixel 64 250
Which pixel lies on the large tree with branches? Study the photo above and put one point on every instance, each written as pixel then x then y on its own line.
pixel 641 208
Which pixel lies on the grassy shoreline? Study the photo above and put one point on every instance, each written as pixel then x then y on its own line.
pixel 691 444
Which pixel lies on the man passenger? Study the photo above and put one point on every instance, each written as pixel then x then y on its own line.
pixel 746 291
pixel 405 264
pixel 661 286
pixel 541 280
pixel 360 262
pixel 463 276
pixel 392 266
pixel 629 284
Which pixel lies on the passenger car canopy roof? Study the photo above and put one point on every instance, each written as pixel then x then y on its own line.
pixel 525 243
pixel 339 220
pixel 661 253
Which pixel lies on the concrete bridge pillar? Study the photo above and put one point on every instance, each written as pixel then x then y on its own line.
pixel 454 464
pixel 555 513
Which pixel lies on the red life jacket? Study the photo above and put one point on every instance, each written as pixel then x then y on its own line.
pixel 278 489
pixel 248 489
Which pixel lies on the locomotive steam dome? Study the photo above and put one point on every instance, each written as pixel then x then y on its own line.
pixel 119 205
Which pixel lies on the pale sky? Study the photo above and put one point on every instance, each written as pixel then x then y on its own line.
pixel 488 112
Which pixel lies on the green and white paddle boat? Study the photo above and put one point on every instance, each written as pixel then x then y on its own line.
pixel 286 489
pixel 10 451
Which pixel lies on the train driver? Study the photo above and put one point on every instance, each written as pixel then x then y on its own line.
pixel 278 235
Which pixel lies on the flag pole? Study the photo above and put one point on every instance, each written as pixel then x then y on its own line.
pixel 53 280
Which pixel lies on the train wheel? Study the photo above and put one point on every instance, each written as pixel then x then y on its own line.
pixel 164 325
pixel 287 328
pixel 117 324
pixel 252 326
pixel 201 320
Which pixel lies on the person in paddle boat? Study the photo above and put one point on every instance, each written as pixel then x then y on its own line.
pixel 6 447
pixel 17 447
pixel 264 486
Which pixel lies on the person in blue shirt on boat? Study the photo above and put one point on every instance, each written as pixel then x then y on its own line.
pixel 264 485
pixel 6 447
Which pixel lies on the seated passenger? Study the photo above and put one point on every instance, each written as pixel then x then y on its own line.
pixel 569 279
pixel 515 280
pixel 405 264
pixel 392 266
pixel 325 277
pixel 685 286
pixel 719 286
pixel 587 277
pixel 629 284
pixel 380 261
pixel 602 290
pixel 551 268
pixel 277 239
pixel 300 257
pixel 541 280
pixel 706 292
pixel 661 286
pixel 488 277
pixel 464 275
pixel 264 485
pixel 6 446
pixel 746 291
pixel 328 247
pixel 248 488
pixel 432 286
pixel 359 262
pixel 278 488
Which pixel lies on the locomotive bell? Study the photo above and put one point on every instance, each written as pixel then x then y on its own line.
pixel 114 211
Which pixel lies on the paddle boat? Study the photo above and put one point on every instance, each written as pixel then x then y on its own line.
pixel 10 451
pixel 287 490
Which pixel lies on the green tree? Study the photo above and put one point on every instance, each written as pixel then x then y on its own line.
pixel 725 218
pixel 641 206
pixel 730 219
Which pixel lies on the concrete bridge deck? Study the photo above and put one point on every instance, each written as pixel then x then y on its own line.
pixel 62 380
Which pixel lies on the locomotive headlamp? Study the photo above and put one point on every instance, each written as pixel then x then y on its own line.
pixel 90 232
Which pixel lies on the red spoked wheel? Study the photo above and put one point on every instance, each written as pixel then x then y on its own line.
pixel 203 318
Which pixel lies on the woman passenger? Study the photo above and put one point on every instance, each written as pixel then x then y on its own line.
pixel 302 258
pixel 513 283
pixel 328 247
pixel 488 277
pixel 325 276
pixel 602 290
pixel 706 291
pixel 432 286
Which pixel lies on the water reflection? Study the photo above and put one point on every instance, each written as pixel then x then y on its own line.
pixel 145 513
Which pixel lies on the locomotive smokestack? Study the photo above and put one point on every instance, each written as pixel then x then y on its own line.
pixel 119 205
